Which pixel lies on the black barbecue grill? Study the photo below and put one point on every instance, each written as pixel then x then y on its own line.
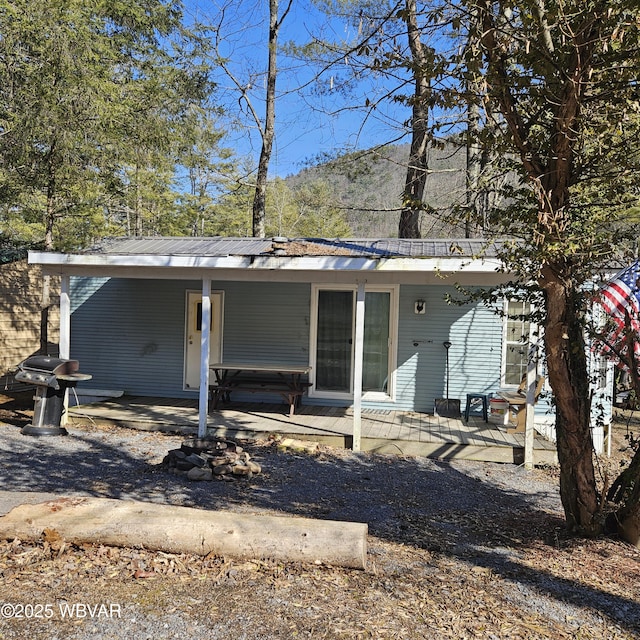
pixel 51 377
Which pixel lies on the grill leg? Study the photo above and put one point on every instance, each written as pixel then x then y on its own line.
pixel 47 413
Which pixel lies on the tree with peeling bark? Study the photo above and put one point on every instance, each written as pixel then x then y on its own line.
pixel 563 78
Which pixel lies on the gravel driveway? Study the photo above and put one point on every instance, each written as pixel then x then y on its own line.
pixel 480 539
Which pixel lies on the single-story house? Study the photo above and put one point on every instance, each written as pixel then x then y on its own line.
pixel 367 321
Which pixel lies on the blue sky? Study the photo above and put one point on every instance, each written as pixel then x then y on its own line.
pixel 307 124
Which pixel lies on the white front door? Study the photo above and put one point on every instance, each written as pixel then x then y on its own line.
pixel 193 334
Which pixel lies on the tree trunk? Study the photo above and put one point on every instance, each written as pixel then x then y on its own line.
pixel 417 171
pixel 628 515
pixel 474 217
pixel 629 522
pixel 45 302
pixel 626 492
pixel 268 132
pixel 173 529
pixel 550 173
pixel 567 370
pixel 50 215
pixel 474 156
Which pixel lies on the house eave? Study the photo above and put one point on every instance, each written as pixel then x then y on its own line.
pixel 345 263
pixel 141 261
pixel 63 262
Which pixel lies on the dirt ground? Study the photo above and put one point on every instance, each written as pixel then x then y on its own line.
pixel 456 550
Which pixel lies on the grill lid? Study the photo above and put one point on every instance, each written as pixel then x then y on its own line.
pixel 46 371
pixel 52 366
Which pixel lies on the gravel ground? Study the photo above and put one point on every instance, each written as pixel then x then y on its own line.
pixel 456 550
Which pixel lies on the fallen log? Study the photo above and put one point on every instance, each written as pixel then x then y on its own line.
pixel 161 527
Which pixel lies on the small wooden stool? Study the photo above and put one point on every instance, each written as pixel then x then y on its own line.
pixel 485 405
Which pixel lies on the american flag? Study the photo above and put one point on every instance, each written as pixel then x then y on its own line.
pixel 620 298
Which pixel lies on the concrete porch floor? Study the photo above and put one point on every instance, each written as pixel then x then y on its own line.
pixel 391 432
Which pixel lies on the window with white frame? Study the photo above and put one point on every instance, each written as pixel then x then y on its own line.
pixel 516 341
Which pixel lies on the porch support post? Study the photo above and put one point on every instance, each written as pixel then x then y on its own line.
pixel 532 383
pixel 64 341
pixel 64 345
pixel 203 405
pixel 357 368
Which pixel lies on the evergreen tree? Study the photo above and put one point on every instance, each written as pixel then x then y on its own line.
pixel 93 97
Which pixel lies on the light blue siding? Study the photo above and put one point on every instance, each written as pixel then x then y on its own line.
pixel 129 334
pixel 475 334
pixel 266 322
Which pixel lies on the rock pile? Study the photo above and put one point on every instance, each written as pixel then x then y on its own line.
pixel 204 459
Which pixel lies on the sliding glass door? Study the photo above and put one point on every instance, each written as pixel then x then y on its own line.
pixel 375 370
pixel 334 341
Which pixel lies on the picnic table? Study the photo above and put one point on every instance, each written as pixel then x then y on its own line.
pixel 278 378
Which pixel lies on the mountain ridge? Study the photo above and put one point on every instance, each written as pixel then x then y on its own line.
pixel 368 185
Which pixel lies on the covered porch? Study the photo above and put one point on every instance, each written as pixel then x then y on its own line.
pixel 382 431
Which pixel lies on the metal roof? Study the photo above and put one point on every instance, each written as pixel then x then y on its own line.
pixel 186 246
pixel 222 247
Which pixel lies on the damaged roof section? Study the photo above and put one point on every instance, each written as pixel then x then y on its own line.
pixel 361 248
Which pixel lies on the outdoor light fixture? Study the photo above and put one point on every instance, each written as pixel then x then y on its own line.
pixel 420 307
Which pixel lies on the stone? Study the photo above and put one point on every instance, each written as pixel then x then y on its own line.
pixel 195 445
pixel 222 469
pixel 254 467
pixel 199 474
pixel 298 445
pixel 220 460
pixel 228 446
pixel 241 470
pixel 196 460
pixel 205 459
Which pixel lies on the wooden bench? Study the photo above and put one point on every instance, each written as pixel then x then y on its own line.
pixel 280 380
pixel 291 396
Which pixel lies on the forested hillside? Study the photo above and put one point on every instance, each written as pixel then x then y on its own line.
pixel 367 187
